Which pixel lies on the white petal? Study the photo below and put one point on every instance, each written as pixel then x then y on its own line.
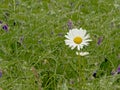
pixel 87 36
pixel 68 42
pixel 84 32
pixel 73 47
pixel 78 47
pixel 85 43
pixel 88 40
pixel 84 53
pixel 77 53
pixel 81 46
pixel 68 37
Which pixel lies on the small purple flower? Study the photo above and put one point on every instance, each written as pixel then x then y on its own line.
pixel 0 73
pixel 5 27
pixel 99 40
pixel 0 22
pixel 118 69
pixel 70 24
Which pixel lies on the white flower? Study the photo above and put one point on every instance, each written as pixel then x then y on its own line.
pixel 82 53
pixel 77 38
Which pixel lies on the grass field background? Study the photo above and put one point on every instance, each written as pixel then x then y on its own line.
pixel 33 54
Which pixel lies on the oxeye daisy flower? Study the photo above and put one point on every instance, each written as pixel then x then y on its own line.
pixel 77 38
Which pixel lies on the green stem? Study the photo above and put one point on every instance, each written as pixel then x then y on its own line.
pixel 81 71
pixel 14 5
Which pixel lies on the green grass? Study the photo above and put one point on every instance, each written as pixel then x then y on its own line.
pixel 42 60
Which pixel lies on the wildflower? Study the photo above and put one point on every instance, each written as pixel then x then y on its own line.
pixel 5 27
pixel 0 22
pixel 77 38
pixel 99 40
pixel 70 24
pixel 0 73
pixel 82 53
pixel 118 69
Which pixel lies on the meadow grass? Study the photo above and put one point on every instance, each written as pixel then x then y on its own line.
pixel 33 54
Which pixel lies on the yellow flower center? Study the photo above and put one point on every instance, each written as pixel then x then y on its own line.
pixel 77 40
